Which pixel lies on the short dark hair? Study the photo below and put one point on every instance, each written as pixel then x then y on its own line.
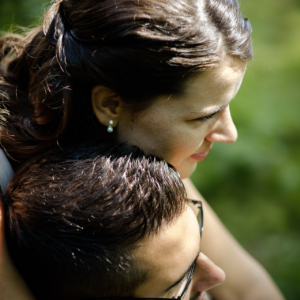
pixel 140 49
pixel 73 217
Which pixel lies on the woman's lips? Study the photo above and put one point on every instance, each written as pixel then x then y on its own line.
pixel 200 156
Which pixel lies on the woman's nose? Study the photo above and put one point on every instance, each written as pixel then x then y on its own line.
pixel 224 129
pixel 206 274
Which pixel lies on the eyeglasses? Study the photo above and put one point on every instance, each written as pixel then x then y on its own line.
pixel 184 285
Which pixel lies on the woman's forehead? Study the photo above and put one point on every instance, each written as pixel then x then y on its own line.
pixel 204 93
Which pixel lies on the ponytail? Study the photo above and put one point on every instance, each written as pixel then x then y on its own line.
pixel 35 95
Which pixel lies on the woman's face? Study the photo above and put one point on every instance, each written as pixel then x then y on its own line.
pixel 183 129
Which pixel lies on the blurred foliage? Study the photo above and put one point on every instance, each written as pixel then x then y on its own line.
pixel 21 13
pixel 254 184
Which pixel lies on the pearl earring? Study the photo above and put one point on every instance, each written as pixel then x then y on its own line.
pixel 109 128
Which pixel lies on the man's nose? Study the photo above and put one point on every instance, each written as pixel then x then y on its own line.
pixel 224 129
pixel 206 274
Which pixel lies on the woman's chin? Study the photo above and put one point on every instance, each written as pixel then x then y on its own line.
pixel 187 170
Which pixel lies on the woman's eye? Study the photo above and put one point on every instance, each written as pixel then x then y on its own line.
pixel 206 117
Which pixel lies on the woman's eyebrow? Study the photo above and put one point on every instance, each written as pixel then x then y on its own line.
pixel 188 270
pixel 212 112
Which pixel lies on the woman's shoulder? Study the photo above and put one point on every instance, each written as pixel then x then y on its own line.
pixel 6 170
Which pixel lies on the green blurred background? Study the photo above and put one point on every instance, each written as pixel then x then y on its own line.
pixel 254 184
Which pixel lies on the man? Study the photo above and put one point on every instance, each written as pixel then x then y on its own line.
pixel 105 221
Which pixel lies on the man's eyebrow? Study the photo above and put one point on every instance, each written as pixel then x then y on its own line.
pixel 188 270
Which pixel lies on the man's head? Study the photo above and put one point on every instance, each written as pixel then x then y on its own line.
pixel 100 221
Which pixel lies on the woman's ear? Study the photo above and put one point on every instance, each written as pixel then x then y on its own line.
pixel 107 105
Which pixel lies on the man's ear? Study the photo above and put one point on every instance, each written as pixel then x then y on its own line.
pixel 107 105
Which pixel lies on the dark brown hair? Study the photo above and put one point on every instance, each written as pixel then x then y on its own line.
pixel 73 217
pixel 139 49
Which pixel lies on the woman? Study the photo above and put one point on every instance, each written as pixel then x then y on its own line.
pixel 156 74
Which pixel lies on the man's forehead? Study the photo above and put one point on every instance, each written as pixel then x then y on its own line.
pixel 167 255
